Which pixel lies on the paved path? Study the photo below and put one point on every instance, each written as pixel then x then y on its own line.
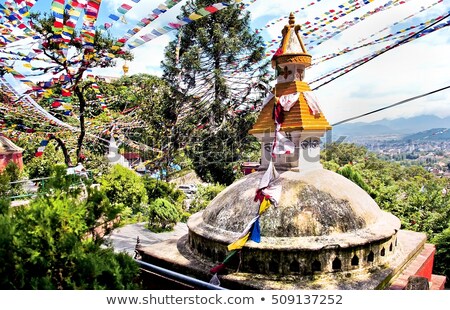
pixel 123 239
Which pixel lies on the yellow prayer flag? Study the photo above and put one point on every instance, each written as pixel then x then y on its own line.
pixel 238 244
pixel 195 16
pixel 27 65
pixel 265 204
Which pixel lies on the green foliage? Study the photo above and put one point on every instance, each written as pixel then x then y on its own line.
pixel 442 256
pixel 354 176
pixel 5 187
pixel 203 197
pixel 124 188
pixel 41 167
pixel 45 246
pixel 162 215
pixel 213 123
pixel 161 189
pixel 11 173
pixel 59 180
pixel 411 193
pixel 4 193
pixel 343 153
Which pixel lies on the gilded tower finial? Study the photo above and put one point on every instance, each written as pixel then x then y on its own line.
pixel 291 20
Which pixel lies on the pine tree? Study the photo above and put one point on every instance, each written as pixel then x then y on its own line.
pixel 217 65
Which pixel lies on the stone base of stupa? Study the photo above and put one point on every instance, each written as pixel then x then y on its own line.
pixel 413 257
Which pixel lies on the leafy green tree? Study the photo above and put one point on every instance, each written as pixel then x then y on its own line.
pixel 125 188
pixel 41 167
pixel 4 193
pixel 343 153
pixel 72 65
pixel 162 215
pixel 353 175
pixel 217 68
pixel 204 195
pixel 162 189
pixel 411 193
pixel 12 173
pixel 150 100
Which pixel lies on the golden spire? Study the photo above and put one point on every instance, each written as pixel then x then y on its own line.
pixel 125 68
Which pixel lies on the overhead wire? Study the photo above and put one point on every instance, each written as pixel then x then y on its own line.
pixel 384 51
pixel 391 105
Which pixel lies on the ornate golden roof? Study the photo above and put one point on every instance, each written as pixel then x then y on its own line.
pixel 292 54
pixel 292 49
pixel 300 117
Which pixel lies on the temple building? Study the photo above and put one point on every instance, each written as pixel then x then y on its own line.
pixel 293 224
pixel 9 152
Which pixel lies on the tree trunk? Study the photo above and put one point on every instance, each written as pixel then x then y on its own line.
pixel 82 101
pixel 62 145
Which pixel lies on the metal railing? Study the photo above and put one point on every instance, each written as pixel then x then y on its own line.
pixel 178 276
pixel 40 181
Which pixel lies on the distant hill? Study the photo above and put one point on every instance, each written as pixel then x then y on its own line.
pixel 436 134
pixel 399 126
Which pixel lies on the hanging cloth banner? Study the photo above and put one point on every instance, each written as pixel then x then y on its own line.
pixel 90 17
pixel 387 38
pixel 288 101
pixel 58 13
pixel 74 9
pixel 312 102
pixel 41 148
pixel 28 103
pixel 310 28
pixel 24 6
pixel 328 35
pixel 162 8
pixel 364 59
pixel 15 20
pixel 177 24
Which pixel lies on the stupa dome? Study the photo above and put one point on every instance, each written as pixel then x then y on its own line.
pixel 323 223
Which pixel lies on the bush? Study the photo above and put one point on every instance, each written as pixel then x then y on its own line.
pixel 442 242
pixel 41 167
pixel 162 215
pixel 354 176
pixel 46 246
pixel 124 188
pixel 14 173
pixel 203 197
pixel 161 189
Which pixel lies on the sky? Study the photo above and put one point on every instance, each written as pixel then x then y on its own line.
pixel 415 68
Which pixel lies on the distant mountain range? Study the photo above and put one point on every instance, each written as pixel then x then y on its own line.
pixel 399 128
pixel 436 134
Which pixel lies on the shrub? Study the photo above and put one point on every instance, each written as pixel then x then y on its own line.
pixel 124 188
pixel 41 167
pixel 46 246
pixel 204 195
pixel 162 215
pixel 161 189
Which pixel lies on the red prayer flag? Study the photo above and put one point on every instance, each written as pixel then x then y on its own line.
pixel 66 93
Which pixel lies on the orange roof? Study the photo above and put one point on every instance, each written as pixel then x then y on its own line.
pixel 300 116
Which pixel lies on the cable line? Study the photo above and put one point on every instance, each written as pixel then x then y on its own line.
pixel 384 51
pixel 392 105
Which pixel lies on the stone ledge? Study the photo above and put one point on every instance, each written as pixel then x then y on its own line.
pixel 174 254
